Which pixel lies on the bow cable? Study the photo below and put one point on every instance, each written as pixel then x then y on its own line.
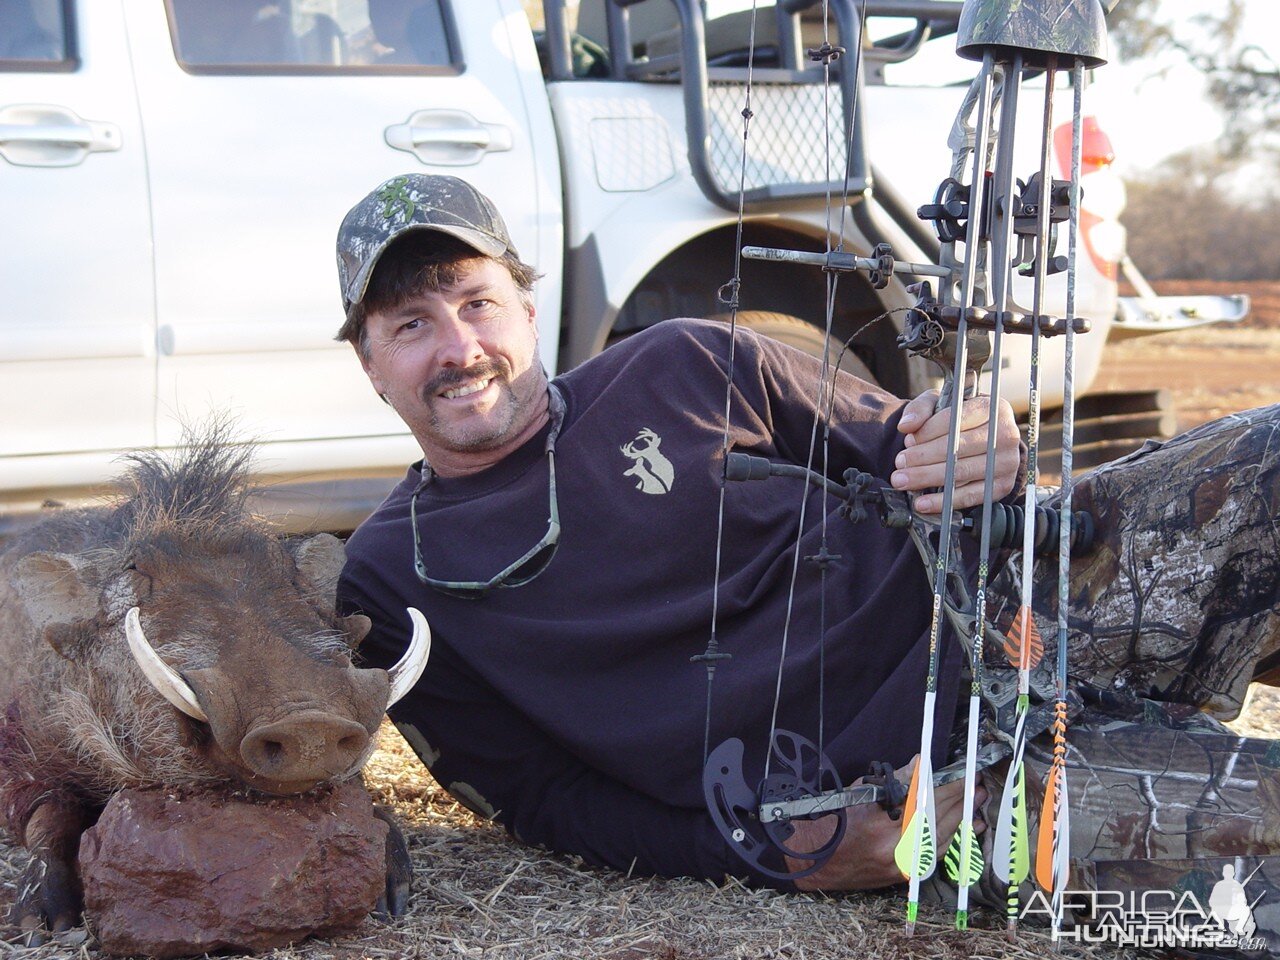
pixel 788 747
pixel 826 387
pixel 728 295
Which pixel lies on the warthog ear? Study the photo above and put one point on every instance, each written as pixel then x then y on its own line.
pixel 58 601
pixel 320 559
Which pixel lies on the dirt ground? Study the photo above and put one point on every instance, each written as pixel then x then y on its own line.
pixel 1211 371
pixel 478 894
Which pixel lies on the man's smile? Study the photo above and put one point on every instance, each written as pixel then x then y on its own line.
pixel 484 377
pixel 465 391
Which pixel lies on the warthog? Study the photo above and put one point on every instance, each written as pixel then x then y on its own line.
pixel 171 639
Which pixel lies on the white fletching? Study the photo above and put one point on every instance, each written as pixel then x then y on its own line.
pixel 162 676
pixel 407 671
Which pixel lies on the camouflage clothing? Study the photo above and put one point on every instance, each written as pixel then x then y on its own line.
pixel 1177 601
pixel 1172 613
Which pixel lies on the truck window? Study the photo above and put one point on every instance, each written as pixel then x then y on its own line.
pixel 34 35
pixel 587 58
pixel 313 36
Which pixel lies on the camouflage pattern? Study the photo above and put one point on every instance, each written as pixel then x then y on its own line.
pixel 1180 596
pixel 1171 614
pixel 1161 808
pixel 1070 29
pixel 407 204
pixel 1154 809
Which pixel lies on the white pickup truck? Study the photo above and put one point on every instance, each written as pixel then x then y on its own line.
pixel 172 173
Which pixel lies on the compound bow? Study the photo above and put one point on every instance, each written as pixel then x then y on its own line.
pixel 1002 224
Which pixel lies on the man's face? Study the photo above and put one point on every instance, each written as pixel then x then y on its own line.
pixel 459 364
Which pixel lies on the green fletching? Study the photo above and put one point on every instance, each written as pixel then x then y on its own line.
pixel 955 863
pixel 904 853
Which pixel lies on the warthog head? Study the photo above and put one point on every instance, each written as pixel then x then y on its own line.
pixel 193 645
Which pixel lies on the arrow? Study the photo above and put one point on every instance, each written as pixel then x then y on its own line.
pixel 1012 854
pixel 915 853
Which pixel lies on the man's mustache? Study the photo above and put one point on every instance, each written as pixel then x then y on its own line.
pixel 457 376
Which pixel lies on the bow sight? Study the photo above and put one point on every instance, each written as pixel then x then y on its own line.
pixel 989 227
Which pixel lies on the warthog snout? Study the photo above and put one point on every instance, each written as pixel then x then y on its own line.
pixel 310 746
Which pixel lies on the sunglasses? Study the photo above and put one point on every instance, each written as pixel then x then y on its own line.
pixel 534 561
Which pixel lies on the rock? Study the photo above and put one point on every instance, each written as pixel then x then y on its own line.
pixel 173 873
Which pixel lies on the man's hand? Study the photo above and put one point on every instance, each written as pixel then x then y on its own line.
pixel 922 465
pixel 864 859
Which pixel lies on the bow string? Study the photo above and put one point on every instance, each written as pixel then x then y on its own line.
pixel 1001 224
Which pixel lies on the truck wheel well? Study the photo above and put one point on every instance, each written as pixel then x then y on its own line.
pixel 684 284
pixel 802 335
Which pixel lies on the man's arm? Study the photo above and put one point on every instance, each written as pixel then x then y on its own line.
pixel 864 859
pixel 905 443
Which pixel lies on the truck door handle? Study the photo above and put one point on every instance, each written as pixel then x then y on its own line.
pixel 451 138
pixel 44 135
pixel 463 136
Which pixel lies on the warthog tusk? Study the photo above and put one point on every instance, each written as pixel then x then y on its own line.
pixel 407 671
pixel 162 676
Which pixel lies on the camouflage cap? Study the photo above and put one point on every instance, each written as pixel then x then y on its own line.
pixel 407 204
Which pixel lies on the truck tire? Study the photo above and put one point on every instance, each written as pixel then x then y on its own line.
pixel 799 334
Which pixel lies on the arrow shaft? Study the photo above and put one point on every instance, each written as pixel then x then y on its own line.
pixel 1000 276
pixel 1061 808
pixel 1016 832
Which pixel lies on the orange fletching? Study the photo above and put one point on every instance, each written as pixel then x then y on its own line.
pixel 1013 643
pixel 1044 842
pixel 909 807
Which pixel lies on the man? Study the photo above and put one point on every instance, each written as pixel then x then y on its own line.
pixel 561 539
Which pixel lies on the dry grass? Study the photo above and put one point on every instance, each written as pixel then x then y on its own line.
pixel 480 894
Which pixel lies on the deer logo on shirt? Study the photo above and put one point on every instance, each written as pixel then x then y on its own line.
pixel 653 471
